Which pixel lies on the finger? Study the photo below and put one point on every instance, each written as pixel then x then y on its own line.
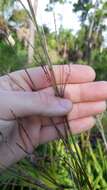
pixel 94 91
pixel 21 104
pixel 80 110
pixel 87 92
pixel 71 73
pixel 63 74
pixel 77 126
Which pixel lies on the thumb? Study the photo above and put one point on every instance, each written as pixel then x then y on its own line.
pixel 24 104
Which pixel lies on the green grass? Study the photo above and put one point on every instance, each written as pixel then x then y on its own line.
pixel 93 155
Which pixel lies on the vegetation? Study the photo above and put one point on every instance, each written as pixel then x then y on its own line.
pixel 88 150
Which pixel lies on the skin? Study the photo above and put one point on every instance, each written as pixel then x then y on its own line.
pixel 83 99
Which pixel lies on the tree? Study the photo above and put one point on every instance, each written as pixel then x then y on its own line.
pixel 93 35
pixel 5 4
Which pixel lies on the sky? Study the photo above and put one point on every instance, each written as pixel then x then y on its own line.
pixel 64 15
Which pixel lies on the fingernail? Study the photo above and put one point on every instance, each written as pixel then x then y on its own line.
pixel 66 105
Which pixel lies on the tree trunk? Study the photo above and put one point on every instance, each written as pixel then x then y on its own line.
pixel 32 35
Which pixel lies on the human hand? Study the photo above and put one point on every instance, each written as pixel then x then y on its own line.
pixel 88 100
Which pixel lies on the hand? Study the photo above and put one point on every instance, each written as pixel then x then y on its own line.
pixel 36 107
